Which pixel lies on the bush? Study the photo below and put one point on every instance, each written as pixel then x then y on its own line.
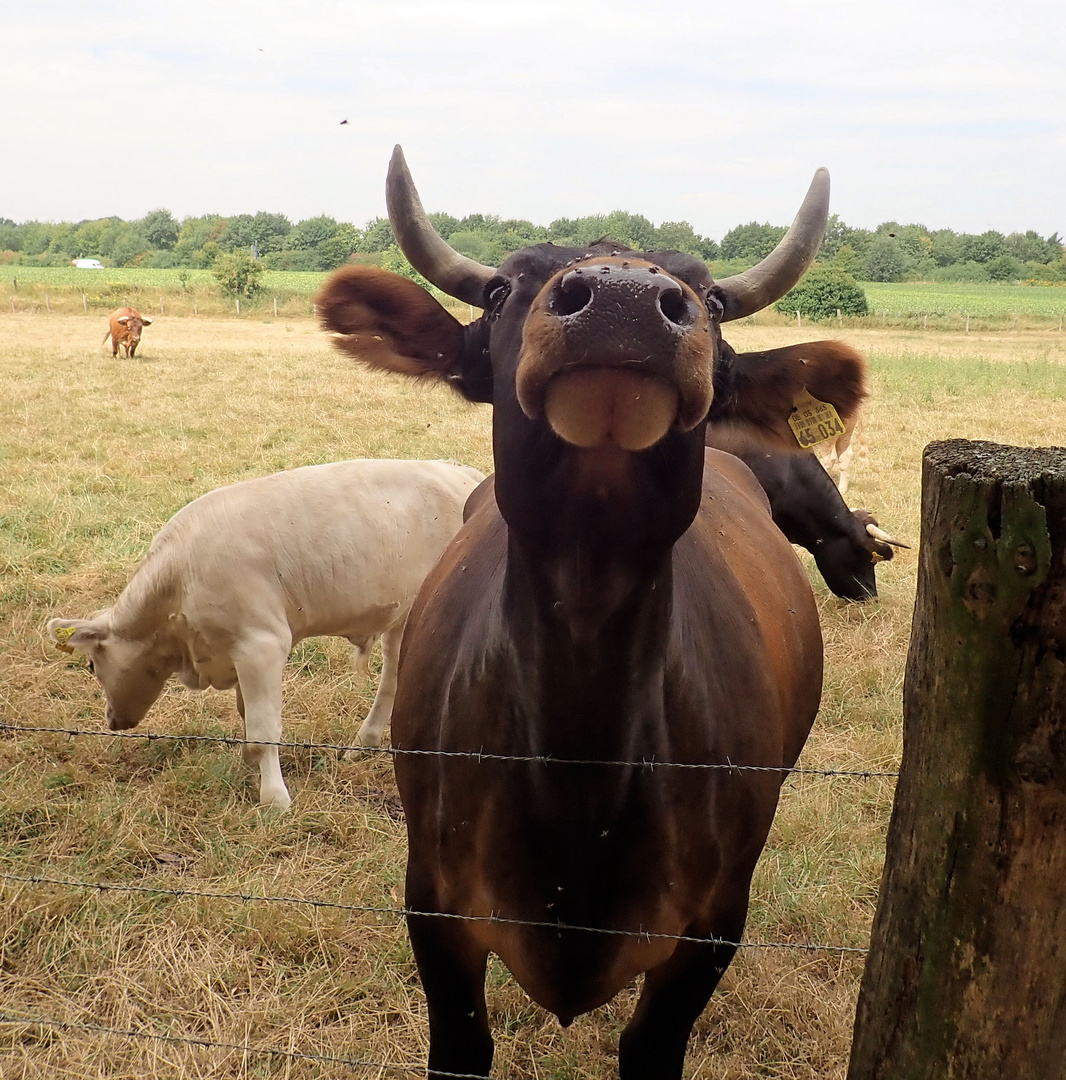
pixel 823 292
pixel 1005 268
pixel 238 274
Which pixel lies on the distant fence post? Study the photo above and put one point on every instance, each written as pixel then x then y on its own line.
pixel 84 301
pixel 966 975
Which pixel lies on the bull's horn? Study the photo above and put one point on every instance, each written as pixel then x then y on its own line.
pixel 880 534
pixel 770 279
pixel 426 251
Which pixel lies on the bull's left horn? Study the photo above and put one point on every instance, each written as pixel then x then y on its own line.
pixel 426 251
pixel 880 534
pixel 767 281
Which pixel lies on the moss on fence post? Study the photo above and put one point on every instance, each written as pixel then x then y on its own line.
pixel 967 970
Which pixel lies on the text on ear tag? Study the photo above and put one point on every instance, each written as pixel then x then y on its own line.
pixel 813 421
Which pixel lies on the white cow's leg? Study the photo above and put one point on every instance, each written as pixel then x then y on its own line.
pixel 844 460
pixel 373 727
pixel 361 651
pixel 260 667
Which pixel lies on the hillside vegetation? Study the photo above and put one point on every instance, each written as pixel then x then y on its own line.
pixel 891 252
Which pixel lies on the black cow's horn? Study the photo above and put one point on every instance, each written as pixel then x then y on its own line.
pixel 879 534
pixel 426 251
pixel 770 279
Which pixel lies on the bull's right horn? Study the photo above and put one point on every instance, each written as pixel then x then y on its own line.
pixel 880 534
pixel 438 262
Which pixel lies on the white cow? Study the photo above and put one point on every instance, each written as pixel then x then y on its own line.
pixel 241 574
pixel 837 455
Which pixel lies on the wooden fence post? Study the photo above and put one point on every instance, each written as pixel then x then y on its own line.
pixel 966 976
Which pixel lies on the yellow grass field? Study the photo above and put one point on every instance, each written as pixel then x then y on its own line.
pixel 95 454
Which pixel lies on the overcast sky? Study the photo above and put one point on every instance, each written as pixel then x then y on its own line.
pixel 949 114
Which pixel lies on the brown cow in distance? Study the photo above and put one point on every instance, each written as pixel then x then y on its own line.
pixel 618 596
pixel 125 330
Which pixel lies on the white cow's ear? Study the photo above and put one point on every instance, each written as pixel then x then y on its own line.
pixel 123 319
pixel 146 322
pixel 71 634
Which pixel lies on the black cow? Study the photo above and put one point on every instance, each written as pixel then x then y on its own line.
pixel 624 596
pixel 810 511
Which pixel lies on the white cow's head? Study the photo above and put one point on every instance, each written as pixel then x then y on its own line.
pixel 132 672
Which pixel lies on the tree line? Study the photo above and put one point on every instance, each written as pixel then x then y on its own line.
pixel 891 252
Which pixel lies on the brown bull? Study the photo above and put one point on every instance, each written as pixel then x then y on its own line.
pixel 617 595
pixel 125 330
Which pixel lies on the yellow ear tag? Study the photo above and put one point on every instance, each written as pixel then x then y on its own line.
pixel 813 421
pixel 63 634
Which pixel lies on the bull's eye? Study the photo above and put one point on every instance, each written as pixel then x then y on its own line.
pixel 496 292
pixel 91 668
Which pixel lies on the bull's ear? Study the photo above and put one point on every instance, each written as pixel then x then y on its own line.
pixel 145 322
pixel 389 322
pixel 760 390
pixel 123 319
pixel 76 634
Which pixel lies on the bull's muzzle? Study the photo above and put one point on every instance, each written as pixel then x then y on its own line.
pixel 616 351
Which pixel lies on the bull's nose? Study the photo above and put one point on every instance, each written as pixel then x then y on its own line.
pixel 605 289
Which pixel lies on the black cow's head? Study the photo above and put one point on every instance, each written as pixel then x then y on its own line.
pixel 601 363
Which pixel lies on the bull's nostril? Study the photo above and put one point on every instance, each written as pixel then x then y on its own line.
pixel 571 295
pixel 675 307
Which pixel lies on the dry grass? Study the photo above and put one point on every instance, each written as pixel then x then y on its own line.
pixel 96 453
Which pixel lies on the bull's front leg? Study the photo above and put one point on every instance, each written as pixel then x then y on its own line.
pixel 260 666
pixel 653 1045
pixel 451 966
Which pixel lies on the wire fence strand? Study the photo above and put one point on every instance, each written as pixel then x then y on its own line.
pixel 649 764
pixel 404 912
pixel 210 1044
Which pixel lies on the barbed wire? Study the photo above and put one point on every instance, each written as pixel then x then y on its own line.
pixel 210 1044
pixel 477 755
pixel 404 912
